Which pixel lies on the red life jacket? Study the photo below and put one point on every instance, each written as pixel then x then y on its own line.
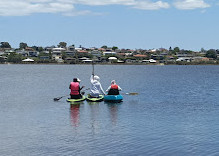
pixel 74 88
pixel 114 86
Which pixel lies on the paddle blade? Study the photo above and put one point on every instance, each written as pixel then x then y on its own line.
pixel 57 99
pixel 131 93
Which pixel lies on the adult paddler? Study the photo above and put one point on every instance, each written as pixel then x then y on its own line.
pixel 75 89
pixel 113 89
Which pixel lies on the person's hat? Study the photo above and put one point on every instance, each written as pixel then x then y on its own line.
pixel 96 78
pixel 78 80
pixel 113 82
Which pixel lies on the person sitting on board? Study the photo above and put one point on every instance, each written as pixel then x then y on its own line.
pixel 96 87
pixel 113 89
pixel 75 89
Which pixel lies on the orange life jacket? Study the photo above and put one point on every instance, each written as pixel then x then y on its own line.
pixel 114 86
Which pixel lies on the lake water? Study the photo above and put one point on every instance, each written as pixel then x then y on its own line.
pixel 175 113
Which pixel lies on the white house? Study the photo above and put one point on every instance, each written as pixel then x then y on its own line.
pixel 108 53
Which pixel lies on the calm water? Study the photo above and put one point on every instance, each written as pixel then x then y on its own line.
pixel 175 113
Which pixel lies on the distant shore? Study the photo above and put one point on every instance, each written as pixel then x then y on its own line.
pixel 159 64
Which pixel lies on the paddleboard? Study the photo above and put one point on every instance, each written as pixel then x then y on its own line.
pixel 76 100
pixel 91 99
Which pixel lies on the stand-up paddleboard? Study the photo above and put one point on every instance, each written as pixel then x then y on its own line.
pixel 72 101
pixel 113 98
pixel 93 99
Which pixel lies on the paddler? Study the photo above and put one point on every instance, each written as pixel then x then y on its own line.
pixel 113 89
pixel 75 89
pixel 96 87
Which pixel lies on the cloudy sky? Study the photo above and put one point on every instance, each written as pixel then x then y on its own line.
pixel 147 24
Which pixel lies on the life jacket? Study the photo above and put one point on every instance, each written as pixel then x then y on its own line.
pixel 74 88
pixel 114 90
pixel 114 86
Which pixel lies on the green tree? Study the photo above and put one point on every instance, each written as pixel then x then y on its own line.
pixel 5 45
pixel 15 58
pixel 104 47
pixel 176 49
pixel 62 44
pixel 40 49
pixel 2 59
pixel 211 54
pixel 23 45
pixel 114 48
pixel 203 50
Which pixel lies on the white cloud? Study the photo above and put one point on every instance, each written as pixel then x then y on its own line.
pixel 151 6
pixel 22 8
pixel 190 4
pixel 68 7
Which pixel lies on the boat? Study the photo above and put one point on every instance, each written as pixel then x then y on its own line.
pixel 76 101
pixel 113 98
pixel 92 99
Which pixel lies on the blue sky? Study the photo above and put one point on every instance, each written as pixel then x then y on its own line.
pixel 134 24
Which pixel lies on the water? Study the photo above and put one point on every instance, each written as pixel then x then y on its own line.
pixel 175 113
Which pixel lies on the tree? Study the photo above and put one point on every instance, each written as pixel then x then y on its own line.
pixel 40 49
pixel 23 45
pixel 15 58
pixel 203 50
pixel 104 47
pixel 211 54
pixel 2 59
pixel 62 44
pixel 114 48
pixel 176 49
pixel 5 45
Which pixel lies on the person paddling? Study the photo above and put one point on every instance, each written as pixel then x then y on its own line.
pixel 96 87
pixel 113 89
pixel 75 89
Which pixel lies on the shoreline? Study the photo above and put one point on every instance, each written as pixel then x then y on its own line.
pixel 154 64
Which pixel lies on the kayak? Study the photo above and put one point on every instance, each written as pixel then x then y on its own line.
pixel 92 99
pixel 76 100
pixel 113 98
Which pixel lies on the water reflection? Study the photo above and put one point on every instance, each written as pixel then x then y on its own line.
pixel 75 112
pixel 113 110
pixel 94 117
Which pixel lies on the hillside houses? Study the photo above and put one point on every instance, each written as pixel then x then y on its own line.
pixel 72 54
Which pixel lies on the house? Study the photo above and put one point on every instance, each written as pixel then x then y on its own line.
pixel 58 51
pixel 71 48
pixel 109 53
pixel 140 56
pixel 70 53
pixel 32 53
pixel 199 59
pixel 57 54
pixel 44 57
pixel 130 61
pixel 152 61
pixel 187 59
pixel 96 53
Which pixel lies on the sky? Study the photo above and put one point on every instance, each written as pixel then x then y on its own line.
pixel 129 24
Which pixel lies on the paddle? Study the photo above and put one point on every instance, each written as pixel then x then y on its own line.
pixel 132 93
pixel 58 98
pixel 93 68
